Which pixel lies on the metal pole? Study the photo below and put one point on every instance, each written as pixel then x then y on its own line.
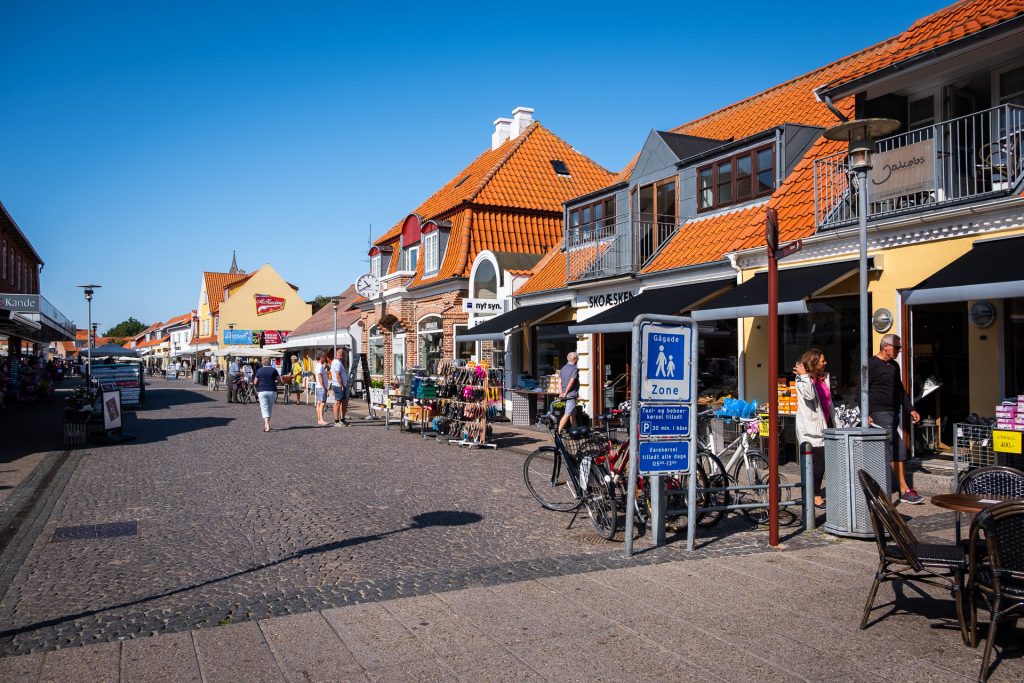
pixel 634 443
pixel 773 398
pixel 335 330
pixel 88 346
pixel 862 210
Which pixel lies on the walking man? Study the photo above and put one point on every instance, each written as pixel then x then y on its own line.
pixel 570 376
pixel 887 400
pixel 232 376
pixel 339 384
pixel 320 377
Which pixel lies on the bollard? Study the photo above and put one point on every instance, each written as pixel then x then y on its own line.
pixel 807 474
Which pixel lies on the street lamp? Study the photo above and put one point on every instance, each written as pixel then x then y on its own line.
pixel 88 291
pixel 861 134
pixel 334 305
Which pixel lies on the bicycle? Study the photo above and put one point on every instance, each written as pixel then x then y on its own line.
pixel 245 391
pixel 563 478
pixel 746 466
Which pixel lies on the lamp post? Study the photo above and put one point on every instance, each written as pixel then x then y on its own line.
pixel 88 291
pixel 861 134
pixel 334 305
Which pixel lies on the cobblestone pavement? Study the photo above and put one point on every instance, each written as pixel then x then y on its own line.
pixel 234 524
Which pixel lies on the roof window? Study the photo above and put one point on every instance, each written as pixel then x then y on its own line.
pixel 560 167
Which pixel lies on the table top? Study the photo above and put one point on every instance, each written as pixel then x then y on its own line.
pixel 968 502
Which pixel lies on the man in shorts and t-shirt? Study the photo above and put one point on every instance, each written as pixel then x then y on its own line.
pixel 339 385
pixel 570 376
pixel 320 378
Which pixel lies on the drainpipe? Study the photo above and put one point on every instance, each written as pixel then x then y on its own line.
pixel 740 356
pixel 827 101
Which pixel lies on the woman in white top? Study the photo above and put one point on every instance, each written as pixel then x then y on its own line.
pixel 813 412
pixel 320 377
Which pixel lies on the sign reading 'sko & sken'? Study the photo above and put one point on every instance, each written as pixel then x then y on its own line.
pixel 265 303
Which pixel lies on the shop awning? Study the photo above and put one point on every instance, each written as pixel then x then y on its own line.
pixel 316 340
pixel 990 270
pixel 796 286
pixel 661 301
pixel 495 328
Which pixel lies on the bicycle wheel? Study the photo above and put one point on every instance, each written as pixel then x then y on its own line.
pixel 754 473
pixel 546 479
pixel 601 506
pixel 711 474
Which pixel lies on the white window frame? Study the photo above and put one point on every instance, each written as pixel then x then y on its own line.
pixel 431 242
pixel 412 257
pixel 375 263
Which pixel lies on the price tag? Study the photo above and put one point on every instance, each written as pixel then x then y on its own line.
pixel 763 426
pixel 1006 441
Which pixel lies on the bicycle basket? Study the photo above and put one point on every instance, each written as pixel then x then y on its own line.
pixel 593 445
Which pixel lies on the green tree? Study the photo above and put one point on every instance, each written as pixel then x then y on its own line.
pixel 123 331
pixel 319 302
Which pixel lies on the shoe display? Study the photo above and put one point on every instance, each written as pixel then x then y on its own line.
pixel 911 497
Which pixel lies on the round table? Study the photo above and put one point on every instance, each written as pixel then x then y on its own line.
pixel 968 502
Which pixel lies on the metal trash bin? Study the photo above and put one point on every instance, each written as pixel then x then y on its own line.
pixel 197 377
pixel 846 451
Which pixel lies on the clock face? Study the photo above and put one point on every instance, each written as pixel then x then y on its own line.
pixel 368 286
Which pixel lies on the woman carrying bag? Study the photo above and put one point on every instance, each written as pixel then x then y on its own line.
pixel 814 412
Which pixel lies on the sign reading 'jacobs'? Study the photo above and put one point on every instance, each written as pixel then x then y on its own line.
pixel 902 171
pixel 22 303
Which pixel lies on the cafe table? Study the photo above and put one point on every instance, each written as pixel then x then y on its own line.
pixel 968 502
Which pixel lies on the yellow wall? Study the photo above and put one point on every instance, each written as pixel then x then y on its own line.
pixel 240 308
pixel 901 267
pixel 203 310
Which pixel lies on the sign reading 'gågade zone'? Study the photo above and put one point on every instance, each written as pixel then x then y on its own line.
pixel 666 364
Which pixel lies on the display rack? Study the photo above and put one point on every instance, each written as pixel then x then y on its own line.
pixel 126 376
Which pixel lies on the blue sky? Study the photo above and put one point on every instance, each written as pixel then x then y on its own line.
pixel 143 141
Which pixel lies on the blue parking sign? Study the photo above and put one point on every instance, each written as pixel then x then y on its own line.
pixel 666 363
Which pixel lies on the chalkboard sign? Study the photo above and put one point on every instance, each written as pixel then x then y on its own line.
pixel 366 381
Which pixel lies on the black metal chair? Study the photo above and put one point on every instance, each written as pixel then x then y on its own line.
pixel 997 576
pixel 995 480
pixel 901 557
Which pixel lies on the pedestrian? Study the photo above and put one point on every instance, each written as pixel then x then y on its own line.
pixel 887 401
pixel 339 385
pixel 296 383
pixel 813 412
pixel 320 378
pixel 570 377
pixel 247 371
pixel 232 378
pixel 266 391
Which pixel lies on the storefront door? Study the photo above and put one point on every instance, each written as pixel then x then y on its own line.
pixel 941 356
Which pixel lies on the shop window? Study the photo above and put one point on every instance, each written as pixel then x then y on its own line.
pixel 464 350
pixel 716 358
pixel 498 353
pixel 830 325
pixel 398 355
pixel 376 355
pixel 591 217
pixel 1014 344
pixel 430 342
pixel 737 179
pixel 485 281
pixel 552 344
pixel 431 261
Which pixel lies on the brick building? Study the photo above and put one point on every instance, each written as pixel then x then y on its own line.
pixel 508 200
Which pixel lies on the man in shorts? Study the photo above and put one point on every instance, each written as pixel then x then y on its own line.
pixel 339 385
pixel 570 376
pixel 887 400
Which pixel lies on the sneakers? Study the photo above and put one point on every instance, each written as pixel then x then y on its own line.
pixel 911 497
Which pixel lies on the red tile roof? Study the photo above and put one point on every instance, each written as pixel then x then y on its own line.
pixel 323 320
pixel 215 284
pixel 548 274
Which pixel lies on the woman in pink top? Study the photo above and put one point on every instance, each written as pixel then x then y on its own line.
pixel 814 411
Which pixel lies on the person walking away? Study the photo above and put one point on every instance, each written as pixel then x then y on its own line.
pixel 321 381
pixel 247 371
pixel 266 390
pixel 570 376
pixel 339 383
pixel 813 412
pixel 887 401
pixel 232 378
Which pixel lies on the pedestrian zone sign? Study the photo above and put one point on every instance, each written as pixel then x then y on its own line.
pixel 666 363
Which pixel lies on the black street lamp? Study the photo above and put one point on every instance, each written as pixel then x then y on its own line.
pixel 88 291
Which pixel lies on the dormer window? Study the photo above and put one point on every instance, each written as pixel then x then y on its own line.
pixel 375 265
pixel 431 252
pixel 736 179
pixel 412 257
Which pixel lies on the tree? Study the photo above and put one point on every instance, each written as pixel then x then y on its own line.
pixel 320 301
pixel 125 330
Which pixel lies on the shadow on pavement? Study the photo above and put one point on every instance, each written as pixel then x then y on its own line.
pixel 420 521
pixel 159 399
pixel 160 429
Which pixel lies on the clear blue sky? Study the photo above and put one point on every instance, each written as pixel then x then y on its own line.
pixel 143 141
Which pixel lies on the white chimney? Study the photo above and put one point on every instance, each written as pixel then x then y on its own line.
pixel 502 132
pixel 522 117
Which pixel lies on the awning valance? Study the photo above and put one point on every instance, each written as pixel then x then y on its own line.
pixel 796 286
pixel 990 270
pixel 495 328
pixel 661 301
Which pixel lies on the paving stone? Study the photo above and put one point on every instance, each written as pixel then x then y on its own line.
pixel 413 671
pixel 308 649
pixel 437 626
pixel 97 663
pixel 490 664
pixel 165 658
pixel 235 652
pixel 22 669
pixel 374 637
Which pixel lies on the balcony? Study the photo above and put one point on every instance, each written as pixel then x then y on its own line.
pixel 615 245
pixel 974 157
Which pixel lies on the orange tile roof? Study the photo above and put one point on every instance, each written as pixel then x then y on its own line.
pixel 323 320
pixel 548 274
pixel 499 192
pixel 69 347
pixel 215 284
pixel 183 318
pixel 210 339
pixel 941 28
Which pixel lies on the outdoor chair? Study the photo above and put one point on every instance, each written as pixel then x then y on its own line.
pixel 997 576
pixel 901 557
pixel 996 480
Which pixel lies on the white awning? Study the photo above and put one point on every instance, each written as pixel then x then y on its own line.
pixel 318 340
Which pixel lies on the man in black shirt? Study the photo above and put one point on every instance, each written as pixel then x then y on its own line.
pixel 887 400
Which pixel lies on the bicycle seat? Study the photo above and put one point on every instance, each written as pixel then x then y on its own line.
pixel 579 432
pixel 606 417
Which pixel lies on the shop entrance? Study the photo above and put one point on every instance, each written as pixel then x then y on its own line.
pixel 940 356
pixel 614 352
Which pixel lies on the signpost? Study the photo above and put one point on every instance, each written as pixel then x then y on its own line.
pixel 662 415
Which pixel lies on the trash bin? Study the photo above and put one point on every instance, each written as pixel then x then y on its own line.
pixel 195 377
pixel 846 451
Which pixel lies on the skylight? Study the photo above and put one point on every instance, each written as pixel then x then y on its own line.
pixel 560 167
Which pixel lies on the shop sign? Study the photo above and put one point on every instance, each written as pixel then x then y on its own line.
pixel 904 170
pixel 666 363
pixel 240 337
pixel 275 336
pixel 479 306
pixel 664 420
pixel 22 303
pixel 112 408
pixel 664 457
pixel 609 299
pixel 1006 441
pixel 265 303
